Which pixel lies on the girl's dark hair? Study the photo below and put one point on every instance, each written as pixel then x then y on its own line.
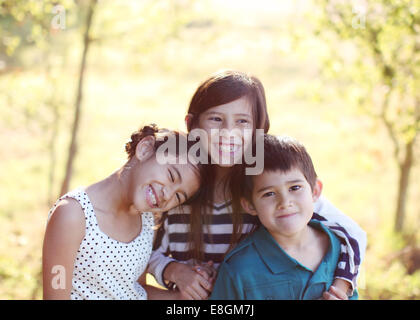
pixel 162 135
pixel 227 86
pixel 137 136
pixel 221 88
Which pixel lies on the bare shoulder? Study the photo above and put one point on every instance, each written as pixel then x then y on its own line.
pixel 68 215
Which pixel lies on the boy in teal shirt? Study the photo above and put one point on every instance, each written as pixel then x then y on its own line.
pixel 289 256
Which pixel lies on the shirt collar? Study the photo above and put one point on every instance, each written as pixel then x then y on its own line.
pixel 278 261
pixel 271 253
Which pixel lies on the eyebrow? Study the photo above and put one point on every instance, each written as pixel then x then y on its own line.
pixel 289 181
pixel 180 180
pixel 236 114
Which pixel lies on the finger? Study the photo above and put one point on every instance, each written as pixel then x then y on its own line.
pixel 193 294
pixel 338 293
pixel 205 283
pixel 329 296
pixel 200 293
pixel 186 295
pixel 202 272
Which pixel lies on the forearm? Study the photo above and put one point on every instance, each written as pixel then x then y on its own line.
pixel 342 285
pixel 172 270
pixel 154 293
pixel 159 259
pixel 353 240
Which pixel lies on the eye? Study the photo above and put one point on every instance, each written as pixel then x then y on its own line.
pixel 243 121
pixel 217 119
pixel 268 194
pixel 295 188
pixel 172 177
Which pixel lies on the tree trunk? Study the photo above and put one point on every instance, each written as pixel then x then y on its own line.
pixel 73 143
pixel 405 168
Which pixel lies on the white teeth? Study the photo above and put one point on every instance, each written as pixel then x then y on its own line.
pixel 152 196
pixel 229 147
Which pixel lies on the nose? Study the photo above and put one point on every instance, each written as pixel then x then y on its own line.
pixel 283 201
pixel 168 192
pixel 228 124
pixel 231 134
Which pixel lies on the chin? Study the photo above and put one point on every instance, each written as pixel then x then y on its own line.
pixel 225 165
pixel 290 230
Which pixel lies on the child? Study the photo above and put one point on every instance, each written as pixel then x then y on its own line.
pixel 99 239
pixel 205 230
pixel 289 256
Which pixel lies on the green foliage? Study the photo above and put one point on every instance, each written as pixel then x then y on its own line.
pixel 382 75
pixel 26 23
pixel 372 49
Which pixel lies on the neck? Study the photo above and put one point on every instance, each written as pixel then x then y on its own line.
pixel 111 194
pixel 220 180
pixel 297 241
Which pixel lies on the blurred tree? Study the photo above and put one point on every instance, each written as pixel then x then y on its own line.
pixel 37 27
pixel 79 97
pixel 375 47
pixel 142 26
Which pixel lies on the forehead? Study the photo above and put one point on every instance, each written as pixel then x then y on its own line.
pixel 188 172
pixel 241 106
pixel 277 178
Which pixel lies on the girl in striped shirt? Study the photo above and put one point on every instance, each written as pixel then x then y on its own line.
pixel 194 237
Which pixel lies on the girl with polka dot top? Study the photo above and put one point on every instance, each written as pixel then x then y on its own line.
pixel 99 239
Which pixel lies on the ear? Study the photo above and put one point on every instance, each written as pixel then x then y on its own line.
pixel 248 206
pixel 145 148
pixel 188 121
pixel 317 190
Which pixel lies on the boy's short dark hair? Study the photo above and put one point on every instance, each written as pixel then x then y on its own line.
pixel 283 153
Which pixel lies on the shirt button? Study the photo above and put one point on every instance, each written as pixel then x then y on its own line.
pixel 269 298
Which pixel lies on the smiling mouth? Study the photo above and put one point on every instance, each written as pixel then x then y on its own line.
pixel 228 148
pixel 285 216
pixel 151 197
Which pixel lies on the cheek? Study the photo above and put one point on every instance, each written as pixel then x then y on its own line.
pixel 192 183
pixel 263 206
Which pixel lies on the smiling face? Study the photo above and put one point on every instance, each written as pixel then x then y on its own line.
pixel 283 201
pixel 226 126
pixel 157 187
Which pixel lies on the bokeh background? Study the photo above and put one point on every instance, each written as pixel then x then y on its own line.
pixel 340 76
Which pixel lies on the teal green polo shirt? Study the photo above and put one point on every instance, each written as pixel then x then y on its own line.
pixel 259 269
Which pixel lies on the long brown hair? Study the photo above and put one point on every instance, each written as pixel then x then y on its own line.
pixel 221 88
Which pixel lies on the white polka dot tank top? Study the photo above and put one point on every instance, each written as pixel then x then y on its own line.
pixel 104 267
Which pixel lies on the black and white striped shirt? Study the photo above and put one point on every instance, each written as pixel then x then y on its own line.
pixel 173 245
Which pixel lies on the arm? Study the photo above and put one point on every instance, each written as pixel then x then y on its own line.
pixel 154 293
pixel 159 260
pixel 352 236
pixel 64 233
pixel 192 284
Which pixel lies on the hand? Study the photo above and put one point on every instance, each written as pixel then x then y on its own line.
pixel 334 294
pixel 192 285
pixel 207 271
